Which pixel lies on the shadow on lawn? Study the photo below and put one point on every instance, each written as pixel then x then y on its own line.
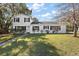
pixel 43 49
pixel 14 49
pixel 35 47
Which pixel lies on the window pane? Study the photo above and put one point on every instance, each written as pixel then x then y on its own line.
pixel 20 28
pixel 55 28
pixel 35 28
pixel 26 19
pixel 45 27
pixel 16 20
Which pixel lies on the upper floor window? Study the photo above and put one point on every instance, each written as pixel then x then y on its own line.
pixel 26 19
pixel 16 20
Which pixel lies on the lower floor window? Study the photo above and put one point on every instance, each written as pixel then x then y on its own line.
pixel 56 28
pixel 45 27
pixel 20 28
pixel 35 28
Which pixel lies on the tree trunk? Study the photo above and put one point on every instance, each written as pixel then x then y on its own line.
pixel 74 21
pixel 75 30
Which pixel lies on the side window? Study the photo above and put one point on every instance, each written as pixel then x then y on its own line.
pixel 16 20
pixel 45 27
pixel 34 28
pixel 26 19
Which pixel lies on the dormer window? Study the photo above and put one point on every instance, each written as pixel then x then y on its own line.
pixel 16 20
pixel 26 19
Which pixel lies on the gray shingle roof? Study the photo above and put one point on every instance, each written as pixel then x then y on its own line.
pixel 44 23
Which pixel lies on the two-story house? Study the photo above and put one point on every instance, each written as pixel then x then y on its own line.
pixel 29 24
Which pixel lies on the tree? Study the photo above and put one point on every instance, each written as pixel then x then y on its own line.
pixel 69 14
pixel 7 11
pixel 74 21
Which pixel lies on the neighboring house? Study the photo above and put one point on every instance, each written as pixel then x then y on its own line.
pixel 29 24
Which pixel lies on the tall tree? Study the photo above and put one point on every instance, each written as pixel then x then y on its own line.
pixel 69 13
pixel 7 11
pixel 74 20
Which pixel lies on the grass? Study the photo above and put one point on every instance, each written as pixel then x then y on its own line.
pixel 6 37
pixel 42 45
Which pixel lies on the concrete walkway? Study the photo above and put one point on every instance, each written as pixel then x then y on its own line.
pixel 11 40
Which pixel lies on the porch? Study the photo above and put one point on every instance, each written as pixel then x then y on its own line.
pixel 46 29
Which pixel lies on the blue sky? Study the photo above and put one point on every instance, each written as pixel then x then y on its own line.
pixel 44 11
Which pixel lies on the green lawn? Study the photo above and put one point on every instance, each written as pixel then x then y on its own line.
pixel 6 37
pixel 42 44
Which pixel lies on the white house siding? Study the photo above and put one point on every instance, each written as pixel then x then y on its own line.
pixel 78 29
pixel 63 28
pixel 21 22
pixel 41 30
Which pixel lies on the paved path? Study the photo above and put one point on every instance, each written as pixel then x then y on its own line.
pixel 11 40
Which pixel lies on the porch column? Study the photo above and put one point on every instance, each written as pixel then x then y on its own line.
pixel 63 29
pixel 31 29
